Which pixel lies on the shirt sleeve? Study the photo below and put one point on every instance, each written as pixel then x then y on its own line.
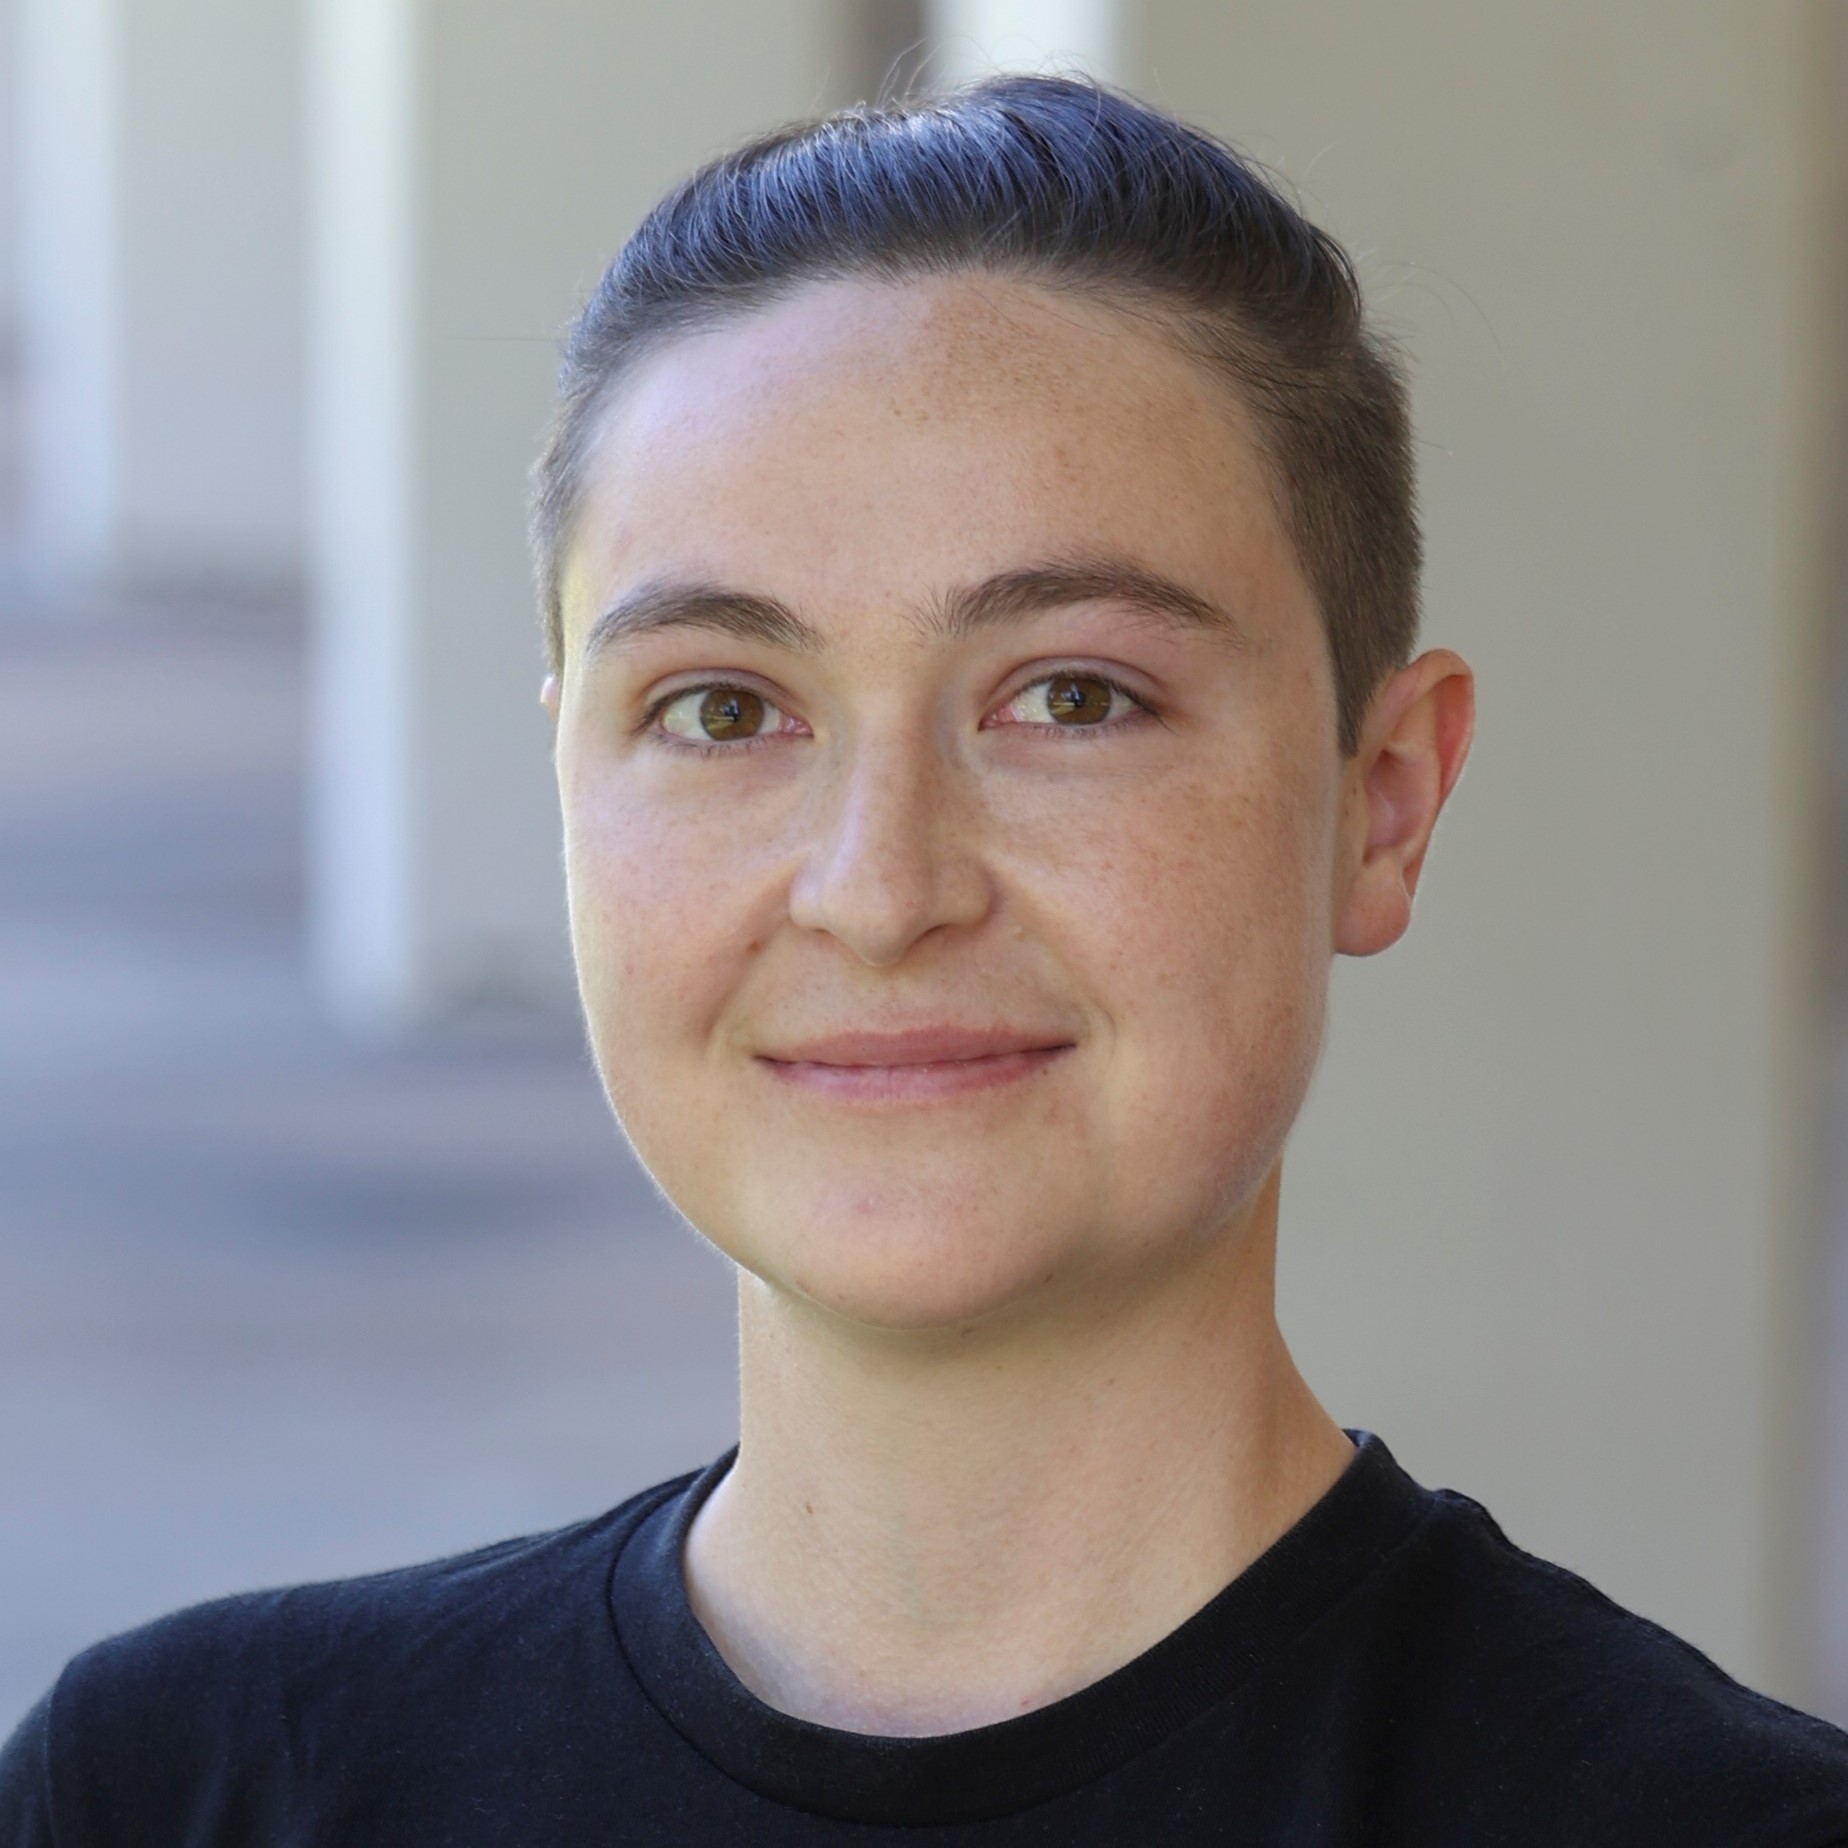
pixel 139 1745
pixel 26 1809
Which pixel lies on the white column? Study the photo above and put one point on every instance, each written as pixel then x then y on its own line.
pixel 474 167
pixel 160 277
pixel 9 236
pixel 67 303
pixel 1549 1227
pixel 972 38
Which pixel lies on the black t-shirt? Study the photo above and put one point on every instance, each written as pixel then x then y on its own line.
pixel 1392 1671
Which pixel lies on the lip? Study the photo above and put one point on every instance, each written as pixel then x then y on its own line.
pixel 916 1065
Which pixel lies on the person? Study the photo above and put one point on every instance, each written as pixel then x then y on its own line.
pixel 980 568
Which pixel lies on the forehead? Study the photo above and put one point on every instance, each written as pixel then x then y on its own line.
pixel 865 439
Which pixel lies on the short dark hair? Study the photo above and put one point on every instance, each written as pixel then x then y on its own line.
pixel 1073 185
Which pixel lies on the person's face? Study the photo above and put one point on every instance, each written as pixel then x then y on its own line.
pixel 955 829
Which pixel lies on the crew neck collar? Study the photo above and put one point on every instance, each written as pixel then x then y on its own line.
pixel 1013 1764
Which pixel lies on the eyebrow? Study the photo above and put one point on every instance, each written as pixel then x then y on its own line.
pixel 1011 596
pixel 1007 596
pixel 739 613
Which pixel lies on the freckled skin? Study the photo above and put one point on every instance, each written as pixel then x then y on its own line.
pixel 1165 895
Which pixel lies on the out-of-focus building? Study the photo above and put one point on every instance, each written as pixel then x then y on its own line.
pixel 290 276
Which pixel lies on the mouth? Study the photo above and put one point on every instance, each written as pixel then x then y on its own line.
pixel 917 1066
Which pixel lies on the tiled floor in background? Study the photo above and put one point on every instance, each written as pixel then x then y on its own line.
pixel 275 1304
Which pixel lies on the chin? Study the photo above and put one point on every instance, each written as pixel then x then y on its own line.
pixel 893 1299
pixel 943 1263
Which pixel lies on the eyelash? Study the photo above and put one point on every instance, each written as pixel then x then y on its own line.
pixel 715 748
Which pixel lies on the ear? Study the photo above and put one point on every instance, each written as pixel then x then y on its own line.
pixel 548 696
pixel 1412 746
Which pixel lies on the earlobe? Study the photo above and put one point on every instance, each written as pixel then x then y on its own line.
pixel 548 696
pixel 1411 753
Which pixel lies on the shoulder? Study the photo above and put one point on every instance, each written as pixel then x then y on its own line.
pixel 278 1643
pixel 1568 1703
pixel 228 1707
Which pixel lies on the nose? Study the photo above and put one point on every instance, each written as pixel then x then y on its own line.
pixel 894 856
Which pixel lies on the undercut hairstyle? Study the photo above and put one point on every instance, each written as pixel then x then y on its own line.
pixel 1072 186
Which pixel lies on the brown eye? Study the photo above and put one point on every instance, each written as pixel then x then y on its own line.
pixel 720 715
pixel 731 712
pixel 1069 700
pixel 1078 699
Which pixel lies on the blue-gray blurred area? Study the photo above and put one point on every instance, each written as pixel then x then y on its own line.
pixel 276 1303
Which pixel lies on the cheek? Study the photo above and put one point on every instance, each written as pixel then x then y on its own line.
pixel 1207 927
pixel 1215 887
pixel 664 916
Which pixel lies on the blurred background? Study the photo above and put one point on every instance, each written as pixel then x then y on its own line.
pixel 317 1250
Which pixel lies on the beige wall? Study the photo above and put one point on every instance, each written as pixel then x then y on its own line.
pixel 1548 1225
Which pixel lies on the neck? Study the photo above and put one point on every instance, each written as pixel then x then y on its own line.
pixel 929 1531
